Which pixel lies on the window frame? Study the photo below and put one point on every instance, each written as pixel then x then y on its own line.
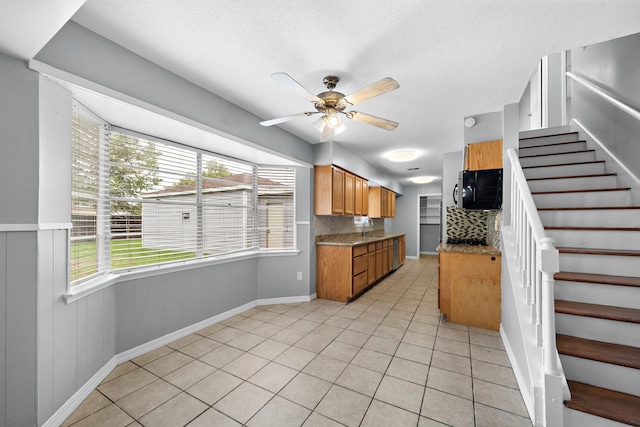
pixel 108 275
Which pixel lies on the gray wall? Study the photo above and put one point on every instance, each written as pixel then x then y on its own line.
pixel 85 54
pixel 429 237
pixel 50 349
pixel 326 154
pixel 488 127
pixel 612 65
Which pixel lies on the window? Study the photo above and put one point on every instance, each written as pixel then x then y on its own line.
pixel 162 202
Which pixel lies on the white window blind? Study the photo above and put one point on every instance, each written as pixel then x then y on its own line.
pixel 89 213
pixel 140 200
pixel 276 207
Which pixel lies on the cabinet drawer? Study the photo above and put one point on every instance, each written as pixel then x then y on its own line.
pixel 372 247
pixel 378 246
pixel 359 282
pixel 386 243
pixel 360 264
pixel 359 250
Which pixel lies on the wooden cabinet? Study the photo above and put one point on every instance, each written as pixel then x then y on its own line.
pixel 361 196
pixel 371 263
pixel 484 155
pixel 349 193
pixel 469 289
pixel 382 203
pixel 338 192
pixel 402 250
pixel 343 271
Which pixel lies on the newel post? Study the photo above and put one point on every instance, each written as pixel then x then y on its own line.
pixel 549 265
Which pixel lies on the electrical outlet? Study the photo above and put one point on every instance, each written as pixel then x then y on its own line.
pixel 299 275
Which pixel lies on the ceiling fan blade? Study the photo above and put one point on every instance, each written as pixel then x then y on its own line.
pixel 378 88
pixel 287 118
pixel 288 81
pixel 372 120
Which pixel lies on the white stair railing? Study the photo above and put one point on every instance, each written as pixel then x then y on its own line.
pixel 537 260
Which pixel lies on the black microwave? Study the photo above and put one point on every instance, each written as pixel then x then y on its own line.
pixel 479 190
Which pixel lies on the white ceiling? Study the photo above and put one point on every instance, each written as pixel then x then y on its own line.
pixel 452 58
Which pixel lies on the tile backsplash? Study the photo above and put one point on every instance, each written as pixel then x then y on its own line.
pixel 473 226
pixel 325 224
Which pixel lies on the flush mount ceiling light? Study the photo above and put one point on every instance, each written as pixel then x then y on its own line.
pixel 402 156
pixel 422 179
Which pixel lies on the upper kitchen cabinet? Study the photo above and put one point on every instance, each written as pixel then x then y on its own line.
pixel 382 203
pixel 338 192
pixel 484 155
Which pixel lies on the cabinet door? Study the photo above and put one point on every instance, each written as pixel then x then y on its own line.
pixel 349 193
pixel 337 196
pixel 390 254
pixel 379 263
pixel 371 267
pixel 484 155
pixel 359 201
pixel 365 197
pixel 385 260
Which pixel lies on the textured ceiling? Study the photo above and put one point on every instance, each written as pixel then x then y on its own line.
pixel 452 58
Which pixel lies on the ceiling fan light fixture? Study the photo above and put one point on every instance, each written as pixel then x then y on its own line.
pixel 422 179
pixel 333 121
pixel 402 156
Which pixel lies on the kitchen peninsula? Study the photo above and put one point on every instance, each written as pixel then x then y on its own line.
pixel 348 264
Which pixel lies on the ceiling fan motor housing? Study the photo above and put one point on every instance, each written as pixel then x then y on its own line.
pixel 330 82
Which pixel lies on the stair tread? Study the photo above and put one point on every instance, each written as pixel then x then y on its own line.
pixel 605 279
pixel 557 154
pixel 620 314
pixel 587 208
pixel 563 164
pixel 589 190
pixel 616 354
pixel 613 405
pixel 551 144
pixel 593 228
pixel 594 175
pixel 596 251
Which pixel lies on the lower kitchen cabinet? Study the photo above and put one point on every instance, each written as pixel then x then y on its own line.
pixel 469 288
pixel 345 271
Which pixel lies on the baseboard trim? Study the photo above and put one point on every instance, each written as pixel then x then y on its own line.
pixel 79 396
pixel 522 384
pixel 285 300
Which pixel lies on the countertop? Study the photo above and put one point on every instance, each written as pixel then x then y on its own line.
pixel 469 249
pixel 353 239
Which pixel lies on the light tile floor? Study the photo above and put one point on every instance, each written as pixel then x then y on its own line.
pixel 385 359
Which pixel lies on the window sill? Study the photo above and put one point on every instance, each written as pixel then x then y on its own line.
pixel 94 285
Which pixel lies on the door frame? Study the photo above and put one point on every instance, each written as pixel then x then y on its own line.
pixel 418 196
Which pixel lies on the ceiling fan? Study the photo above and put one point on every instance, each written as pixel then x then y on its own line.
pixel 332 103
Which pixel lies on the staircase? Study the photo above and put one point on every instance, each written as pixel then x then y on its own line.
pixel 596 228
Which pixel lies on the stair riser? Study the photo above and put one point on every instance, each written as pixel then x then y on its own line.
pixel 548 149
pixel 602 264
pixel 574 418
pixel 594 293
pixel 598 329
pixel 626 240
pixel 606 375
pixel 567 170
pixel 589 183
pixel 533 142
pixel 591 218
pixel 558 159
pixel 583 200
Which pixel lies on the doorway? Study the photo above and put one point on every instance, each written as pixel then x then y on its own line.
pixel 429 223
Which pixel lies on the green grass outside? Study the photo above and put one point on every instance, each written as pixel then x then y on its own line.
pixel 124 254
